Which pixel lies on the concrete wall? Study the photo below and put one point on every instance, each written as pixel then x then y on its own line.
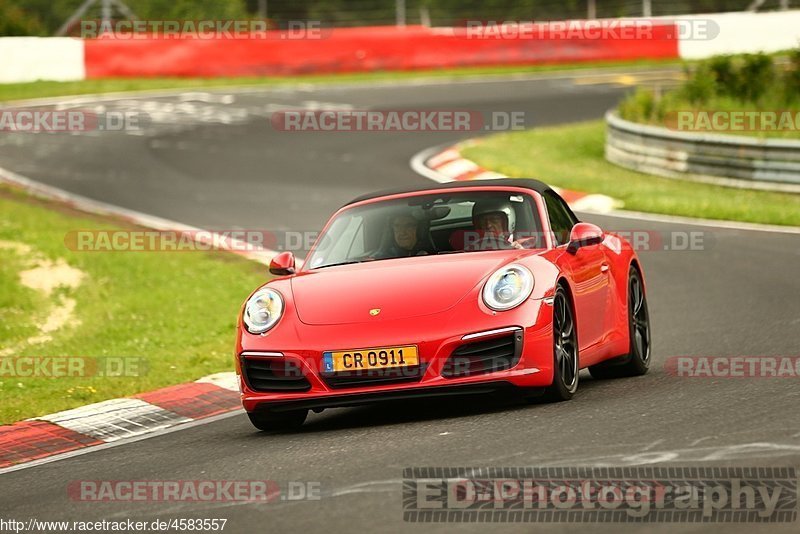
pixel 27 59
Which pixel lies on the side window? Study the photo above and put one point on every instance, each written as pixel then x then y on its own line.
pixel 561 217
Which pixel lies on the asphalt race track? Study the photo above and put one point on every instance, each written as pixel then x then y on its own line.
pixel 214 160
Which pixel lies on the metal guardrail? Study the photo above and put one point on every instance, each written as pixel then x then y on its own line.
pixel 738 161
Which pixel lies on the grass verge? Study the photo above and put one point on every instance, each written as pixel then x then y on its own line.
pixel 571 156
pixel 41 89
pixel 176 310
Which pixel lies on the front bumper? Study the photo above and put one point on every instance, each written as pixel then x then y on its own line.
pixel 436 337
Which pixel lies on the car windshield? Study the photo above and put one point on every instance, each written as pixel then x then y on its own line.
pixel 421 225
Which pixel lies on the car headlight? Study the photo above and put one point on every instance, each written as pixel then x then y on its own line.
pixel 263 310
pixel 508 287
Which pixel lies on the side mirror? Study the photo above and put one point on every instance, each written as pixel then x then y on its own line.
pixel 282 264
pixel 582 235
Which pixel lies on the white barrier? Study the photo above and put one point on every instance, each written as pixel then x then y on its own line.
pixel 741 33
pixel 27 59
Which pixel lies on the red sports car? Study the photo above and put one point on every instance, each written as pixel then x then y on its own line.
pixel 457 288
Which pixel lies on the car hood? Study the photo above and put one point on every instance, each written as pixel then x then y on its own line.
pixel 400 288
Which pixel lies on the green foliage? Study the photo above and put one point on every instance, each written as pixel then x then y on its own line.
pixel 725 83
pixel 791 85
pixel 45 17
pixel 747 78
pixel 641 104
pixel 701 85
pixel 16 22
pixel 720 72
pixel 756 77
pixel 53 13
pixel 188 9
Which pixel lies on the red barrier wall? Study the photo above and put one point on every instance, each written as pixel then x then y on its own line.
pixel 364 49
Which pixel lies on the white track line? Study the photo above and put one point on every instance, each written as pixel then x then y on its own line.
pixel 712 223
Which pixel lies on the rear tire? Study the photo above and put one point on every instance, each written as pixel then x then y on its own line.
pixel 565 350
pixel 270 421
pixel 637 361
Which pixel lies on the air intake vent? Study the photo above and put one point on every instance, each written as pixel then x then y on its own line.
pixel 274 374
pixel 485 356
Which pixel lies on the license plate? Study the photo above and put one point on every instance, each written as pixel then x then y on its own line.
pixel 365 359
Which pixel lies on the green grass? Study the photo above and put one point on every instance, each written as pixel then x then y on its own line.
pixel 644 107
pixel 175 309
pixel 571 157
pixel 41 89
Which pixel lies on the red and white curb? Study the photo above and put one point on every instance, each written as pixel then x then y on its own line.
pixel 447 165
pixel 116 419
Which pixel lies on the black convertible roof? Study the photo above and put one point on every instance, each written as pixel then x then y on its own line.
pixel 526 183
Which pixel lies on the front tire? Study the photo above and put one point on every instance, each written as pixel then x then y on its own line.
pixel 637 361
pixel 565 349
pixel 269 421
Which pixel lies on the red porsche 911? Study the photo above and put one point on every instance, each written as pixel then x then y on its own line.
pixel 458 288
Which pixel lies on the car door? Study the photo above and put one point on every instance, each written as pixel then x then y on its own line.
pixel 589 270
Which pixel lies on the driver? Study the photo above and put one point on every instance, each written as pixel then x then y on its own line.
pixel 405 240
pixel 493 219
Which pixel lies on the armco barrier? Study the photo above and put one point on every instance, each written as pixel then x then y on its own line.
pixel 734 160
pixel 363 49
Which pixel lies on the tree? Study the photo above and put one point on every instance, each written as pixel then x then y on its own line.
pixel 15 22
